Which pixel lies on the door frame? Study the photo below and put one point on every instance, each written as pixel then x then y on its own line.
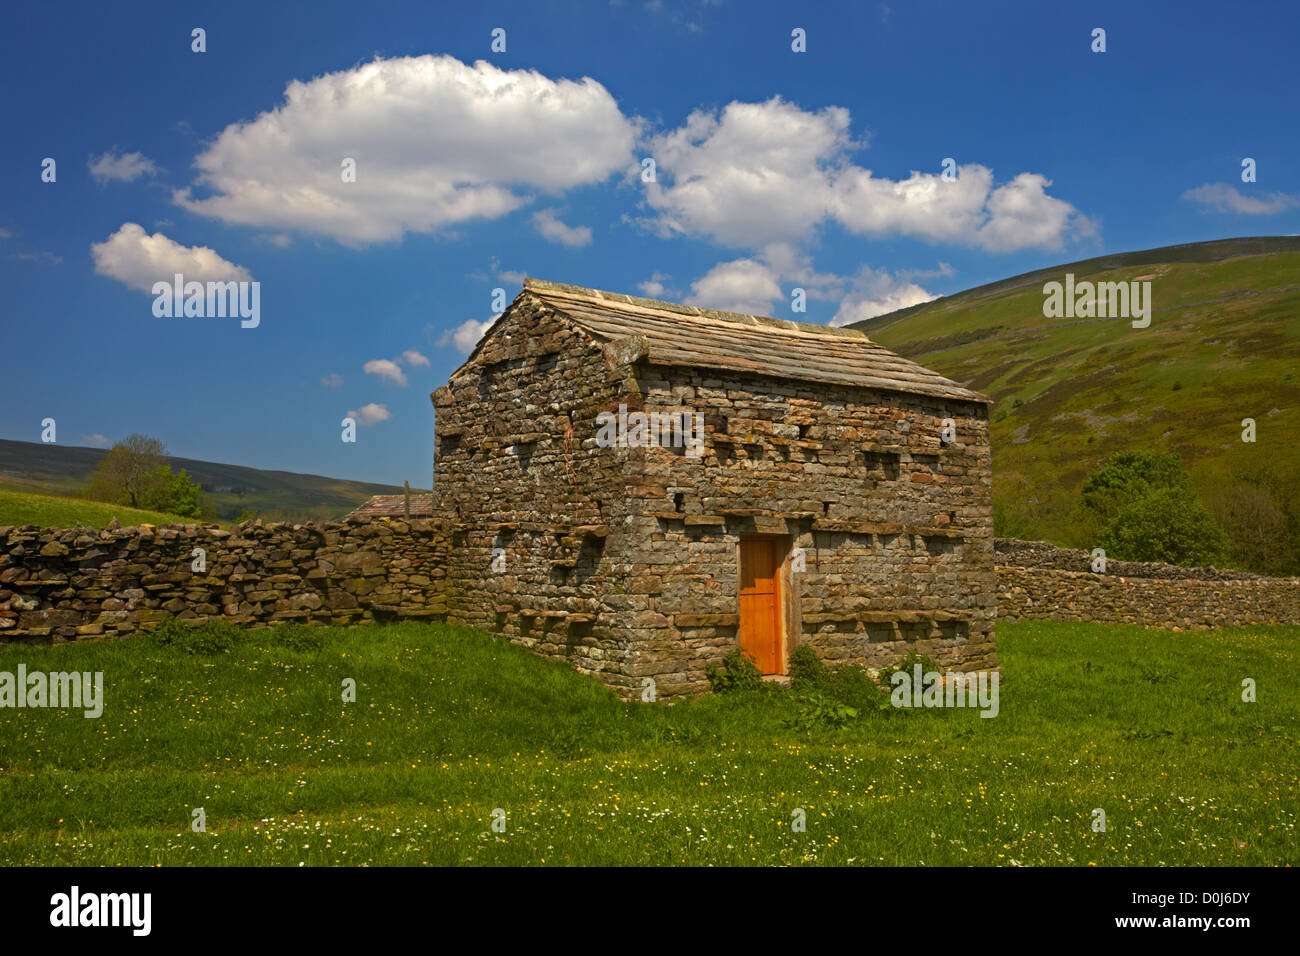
pixel 782 543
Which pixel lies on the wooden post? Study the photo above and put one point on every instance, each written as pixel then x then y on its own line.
pixel 408 501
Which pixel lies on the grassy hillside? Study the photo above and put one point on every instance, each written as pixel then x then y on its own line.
pixel 56 512
pixel 1223 345
pixel 450 725
pixel 62 470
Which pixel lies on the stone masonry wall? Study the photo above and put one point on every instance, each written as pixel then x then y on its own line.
pixel 623 560
pixel 60 585
pixel 895 525
pixel 1038 581
pixel 63 585
pixel 519 479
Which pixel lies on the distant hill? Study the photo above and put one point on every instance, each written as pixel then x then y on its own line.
pixel 64 470
pixel 1212 251
pixel 1223 345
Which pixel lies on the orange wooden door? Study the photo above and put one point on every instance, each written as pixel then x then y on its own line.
pixel 760 604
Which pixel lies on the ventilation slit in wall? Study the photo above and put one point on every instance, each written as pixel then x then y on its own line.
pixel 881 464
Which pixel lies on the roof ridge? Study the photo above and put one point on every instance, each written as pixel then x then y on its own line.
pixel 739 318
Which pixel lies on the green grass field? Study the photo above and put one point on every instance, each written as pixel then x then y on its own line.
pixel 50 511
pixel 450 725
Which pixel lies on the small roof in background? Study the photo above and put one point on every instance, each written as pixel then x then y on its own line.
pixel 707 338
pixel 393 506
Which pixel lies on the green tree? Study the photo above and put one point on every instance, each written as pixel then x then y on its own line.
pixel 1168 525
pixel 1257 505
pixel 135 473
pixel 1127 476
pixel 1141 506
pixel 129 472
pixel 174 493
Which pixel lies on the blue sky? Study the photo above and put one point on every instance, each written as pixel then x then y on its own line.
pixel 774 170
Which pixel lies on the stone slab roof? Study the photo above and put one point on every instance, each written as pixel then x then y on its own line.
pixel 393 506
pixel 707 338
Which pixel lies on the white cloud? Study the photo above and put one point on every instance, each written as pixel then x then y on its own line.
pixel 755 285
pixel 922 205
pixel 768 172
pixel 138 260
pixel 763 285
pixel 96 440
pixel 413 357
pixel 796 268
pixel 332 380
pixel 388 371
pixel 123 168
pixel 371 414
pixel 878 293
pixel 466 335
pixel 436 142
pixel 5 233
pixel 1221 197
pixel 654 287
pixel 742 285
pixel 40 256
pixel 757 170
pixel 494 271
pixel 682 19
pixel 969 210
pixel 942 271
pixel 553 230
pixel 1022 216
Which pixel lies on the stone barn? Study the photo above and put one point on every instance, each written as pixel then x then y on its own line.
pixel 639 487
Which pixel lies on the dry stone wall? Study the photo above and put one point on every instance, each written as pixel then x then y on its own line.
pixel 1038 581
pixel 63 585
